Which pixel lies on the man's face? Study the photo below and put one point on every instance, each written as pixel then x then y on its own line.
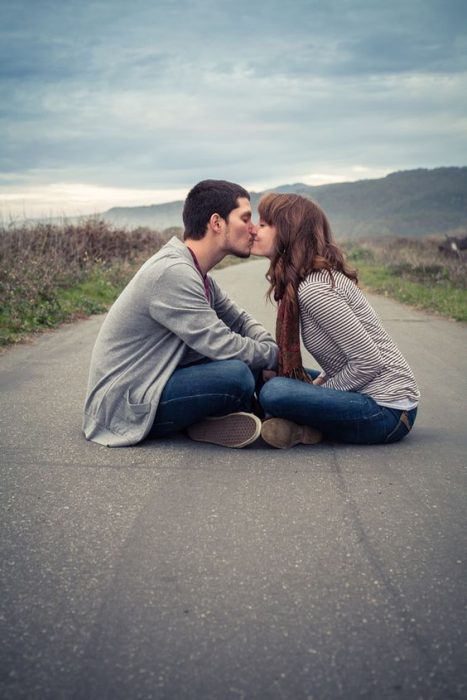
pixel 239 232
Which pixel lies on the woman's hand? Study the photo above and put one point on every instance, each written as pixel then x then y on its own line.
pixel 319 380
pixel 268 374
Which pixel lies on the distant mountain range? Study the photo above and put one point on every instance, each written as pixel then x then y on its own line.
pixel 407 203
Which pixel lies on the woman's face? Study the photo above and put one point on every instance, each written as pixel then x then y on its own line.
pixel 264 243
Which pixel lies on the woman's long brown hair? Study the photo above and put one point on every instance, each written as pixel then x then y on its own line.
pixel 304 244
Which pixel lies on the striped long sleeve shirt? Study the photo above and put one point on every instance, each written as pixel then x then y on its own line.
pixel 343 333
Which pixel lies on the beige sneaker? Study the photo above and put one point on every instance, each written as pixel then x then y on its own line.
pixel 283 433
pixel 233 430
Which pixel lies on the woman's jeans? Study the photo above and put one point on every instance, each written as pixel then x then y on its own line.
pixel 342 416
pixel 206 388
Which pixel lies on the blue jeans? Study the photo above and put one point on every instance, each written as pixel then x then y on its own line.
pixel 342 416
pixel 203 389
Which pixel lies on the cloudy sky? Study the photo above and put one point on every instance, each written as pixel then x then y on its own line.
pixel 127 102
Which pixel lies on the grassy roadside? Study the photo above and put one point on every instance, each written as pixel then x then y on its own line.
pixel 94 294
pixel 413 273
pixel 51 274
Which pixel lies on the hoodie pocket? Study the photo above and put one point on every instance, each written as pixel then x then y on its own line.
pixel 130 412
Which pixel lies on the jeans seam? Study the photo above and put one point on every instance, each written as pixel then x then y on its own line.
pixel 351 421
pixel 193 396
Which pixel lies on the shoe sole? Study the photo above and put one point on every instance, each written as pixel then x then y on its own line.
pixel 234 430
pixel 282 433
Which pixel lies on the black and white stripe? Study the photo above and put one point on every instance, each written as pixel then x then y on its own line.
pixel 343 333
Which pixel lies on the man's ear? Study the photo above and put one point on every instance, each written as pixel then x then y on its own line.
pixel 216 221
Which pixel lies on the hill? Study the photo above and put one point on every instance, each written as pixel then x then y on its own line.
pixel 406 203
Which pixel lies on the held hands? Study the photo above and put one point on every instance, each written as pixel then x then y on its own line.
pixel 269 374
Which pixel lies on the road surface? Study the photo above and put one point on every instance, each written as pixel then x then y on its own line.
pixel 175 570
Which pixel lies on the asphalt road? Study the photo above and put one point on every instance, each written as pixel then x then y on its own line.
pixel 176 570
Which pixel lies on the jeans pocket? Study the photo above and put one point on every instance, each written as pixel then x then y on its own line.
pixel 403 428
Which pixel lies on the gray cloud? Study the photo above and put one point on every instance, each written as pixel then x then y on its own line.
pixel 160 94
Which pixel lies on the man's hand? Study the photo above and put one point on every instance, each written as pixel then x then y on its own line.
pixel 268 374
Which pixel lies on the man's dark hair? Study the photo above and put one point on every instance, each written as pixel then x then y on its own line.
pixel 206 198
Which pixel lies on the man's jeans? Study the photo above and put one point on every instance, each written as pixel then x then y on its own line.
pixel 342 416
pixel 206 388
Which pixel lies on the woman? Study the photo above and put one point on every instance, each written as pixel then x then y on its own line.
pixel 366 392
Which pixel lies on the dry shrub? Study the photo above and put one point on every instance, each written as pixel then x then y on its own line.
pixel 37 261
pixel 417 259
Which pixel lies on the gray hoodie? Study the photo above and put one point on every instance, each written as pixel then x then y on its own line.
pixel 160 321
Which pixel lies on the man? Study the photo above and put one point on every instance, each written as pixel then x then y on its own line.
pixel 174 352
